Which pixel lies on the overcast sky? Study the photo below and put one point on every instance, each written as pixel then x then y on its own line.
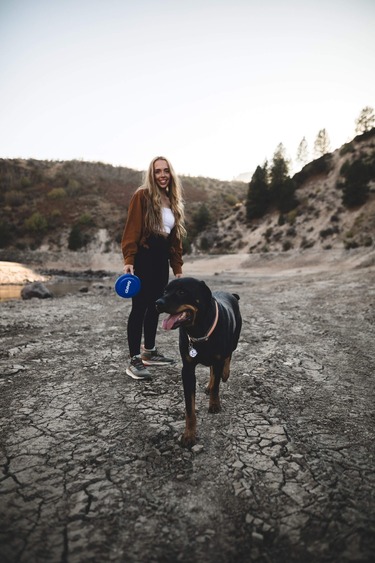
pixel 214 85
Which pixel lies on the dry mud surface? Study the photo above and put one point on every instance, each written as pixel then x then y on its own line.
pixel 91 465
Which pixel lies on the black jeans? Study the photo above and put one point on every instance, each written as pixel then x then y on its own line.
pixel 151 265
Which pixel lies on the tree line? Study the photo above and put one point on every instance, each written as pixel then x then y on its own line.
pixel 271 185
pixel 322 144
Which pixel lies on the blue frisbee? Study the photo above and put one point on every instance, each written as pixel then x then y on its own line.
pixel 127 285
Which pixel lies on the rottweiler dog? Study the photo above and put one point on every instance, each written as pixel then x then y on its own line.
pixel 210 325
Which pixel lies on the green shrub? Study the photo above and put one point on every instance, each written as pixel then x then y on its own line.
pixel 230 199
pixel 25 182
pixel 348 244
pixel 267 235
pixel 287 245
pixel 57 193
pixel 355 186
pixel 86 219
pixel 292 216
pixel 204 244
pixel 367 240
pixel 324 233
pixel 201 218
pixel 305 243
pixel 77 239
pixel 37 223
pixel 186 245
pixel 363 240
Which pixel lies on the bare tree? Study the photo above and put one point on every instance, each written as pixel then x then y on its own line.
pixel 322 143
pixel 303 152
pixel 366 120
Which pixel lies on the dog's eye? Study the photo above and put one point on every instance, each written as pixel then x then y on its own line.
pixel 180 292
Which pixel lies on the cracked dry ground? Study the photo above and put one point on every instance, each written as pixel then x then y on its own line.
pixel 92 469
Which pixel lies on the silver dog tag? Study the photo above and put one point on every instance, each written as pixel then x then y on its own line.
pixel 192 352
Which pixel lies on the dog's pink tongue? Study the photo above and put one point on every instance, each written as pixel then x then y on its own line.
pixel 169 322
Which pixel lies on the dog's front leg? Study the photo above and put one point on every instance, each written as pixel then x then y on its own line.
pixel 189 383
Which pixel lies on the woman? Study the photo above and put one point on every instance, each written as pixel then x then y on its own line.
pixel 152 239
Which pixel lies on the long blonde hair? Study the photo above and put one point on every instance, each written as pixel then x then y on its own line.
pixel 153 219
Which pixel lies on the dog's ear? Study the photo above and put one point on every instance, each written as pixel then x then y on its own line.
pixel 205 292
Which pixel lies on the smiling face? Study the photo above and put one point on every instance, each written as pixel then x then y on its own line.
pixel 162 174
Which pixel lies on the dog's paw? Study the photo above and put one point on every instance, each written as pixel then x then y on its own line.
pixel 214 408
pixel 188 440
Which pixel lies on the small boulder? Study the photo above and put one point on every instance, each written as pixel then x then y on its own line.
pixel 35 289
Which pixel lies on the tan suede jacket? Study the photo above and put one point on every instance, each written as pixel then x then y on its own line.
pixel 134 234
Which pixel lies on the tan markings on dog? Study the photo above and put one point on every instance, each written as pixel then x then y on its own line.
pixel 191 308
pixel 188 437
pixel 214 404
pixel 214 401
pixel 210 383
pixel 226 370
pixel 183 308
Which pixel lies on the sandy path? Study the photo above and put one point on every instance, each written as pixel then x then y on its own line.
pixel 14 273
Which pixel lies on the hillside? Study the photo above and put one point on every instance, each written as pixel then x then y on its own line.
pixel 320 220
pixel 43 203
pixel 60 207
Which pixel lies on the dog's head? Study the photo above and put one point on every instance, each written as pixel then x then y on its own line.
pixel 184 299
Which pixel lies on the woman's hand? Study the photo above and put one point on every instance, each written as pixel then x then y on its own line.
pixel 129 269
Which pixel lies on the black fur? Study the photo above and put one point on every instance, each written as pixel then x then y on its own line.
pixel 192 309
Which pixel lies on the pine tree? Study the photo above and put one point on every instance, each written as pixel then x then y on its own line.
pixel 303 152
pixel 282 187
pixel 322 144
pixel 258 194
pixel 279 171
pixel 365 121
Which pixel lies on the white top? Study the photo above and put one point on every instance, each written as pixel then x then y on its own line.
pixel 168 219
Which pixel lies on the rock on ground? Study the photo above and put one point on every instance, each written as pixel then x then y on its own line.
pixel 35 290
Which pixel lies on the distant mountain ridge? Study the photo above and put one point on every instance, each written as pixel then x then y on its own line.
pixel 244 177
pixel 42 202
pixel 59 206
